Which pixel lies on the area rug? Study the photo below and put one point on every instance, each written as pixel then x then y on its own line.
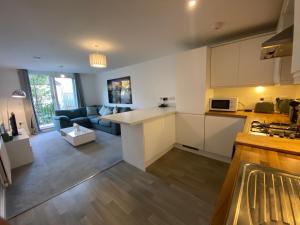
pixel 57 166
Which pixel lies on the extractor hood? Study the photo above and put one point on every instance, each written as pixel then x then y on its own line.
pixel 279 45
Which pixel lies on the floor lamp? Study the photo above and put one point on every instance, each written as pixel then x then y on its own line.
pixel 16 94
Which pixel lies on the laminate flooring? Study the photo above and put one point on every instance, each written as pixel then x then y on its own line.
pixel 125 195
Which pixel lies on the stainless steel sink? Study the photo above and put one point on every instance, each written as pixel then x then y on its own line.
pixel 264 196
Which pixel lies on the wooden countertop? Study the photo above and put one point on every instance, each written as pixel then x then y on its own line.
pixel 139 116
pixel 282 161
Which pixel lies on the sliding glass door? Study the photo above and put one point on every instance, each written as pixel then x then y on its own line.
pixel 51 92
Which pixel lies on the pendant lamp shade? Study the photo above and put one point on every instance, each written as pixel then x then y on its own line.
pixel 98 60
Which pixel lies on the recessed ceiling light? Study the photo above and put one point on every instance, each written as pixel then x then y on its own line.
pixel 192 3
pixel 36 57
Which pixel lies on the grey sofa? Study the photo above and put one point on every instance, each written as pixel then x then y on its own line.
pixel 66 118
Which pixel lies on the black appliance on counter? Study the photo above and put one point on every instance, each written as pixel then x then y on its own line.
pixel 281 130
pixel 294 108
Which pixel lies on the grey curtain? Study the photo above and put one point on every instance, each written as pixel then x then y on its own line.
pixel 79 92
pixel 28 103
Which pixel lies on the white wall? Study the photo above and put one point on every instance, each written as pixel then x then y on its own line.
pixel 149 80
pixel 89 88
pixel 9 82
pixel 248 95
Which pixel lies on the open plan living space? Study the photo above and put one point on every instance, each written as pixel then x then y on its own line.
pixel 150 112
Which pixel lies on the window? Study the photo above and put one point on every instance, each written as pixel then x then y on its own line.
pixel 50 92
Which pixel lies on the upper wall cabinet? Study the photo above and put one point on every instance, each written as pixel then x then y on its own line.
pixel 239 64
pixel 225 65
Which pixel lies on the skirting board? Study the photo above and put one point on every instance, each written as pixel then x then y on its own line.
pixel 204 153
pixel 149 162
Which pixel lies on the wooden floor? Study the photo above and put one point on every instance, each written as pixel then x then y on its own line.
pixel 198 175
pixel 182 191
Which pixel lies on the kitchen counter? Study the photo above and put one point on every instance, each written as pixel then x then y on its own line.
pixel 278 160
pixel 139 116
pixel 147 134
pixel 279 153
pixel 284 145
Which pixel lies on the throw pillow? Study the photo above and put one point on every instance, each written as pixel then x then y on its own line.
pixel 107 111
pixel 91 110
pixel 102 110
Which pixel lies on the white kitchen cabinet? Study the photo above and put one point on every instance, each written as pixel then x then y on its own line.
pixel 192 80
pixel 190 130
pixel 252 70
pixel 283 73
pixel 296 44
pixel 239 64
pixel 220 134
pixel 224 65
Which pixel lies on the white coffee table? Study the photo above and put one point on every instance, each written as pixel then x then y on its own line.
pixel 75 138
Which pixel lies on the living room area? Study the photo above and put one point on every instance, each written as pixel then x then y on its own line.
pixel 53 163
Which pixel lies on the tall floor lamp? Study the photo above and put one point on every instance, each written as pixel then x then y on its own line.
pixel 16 94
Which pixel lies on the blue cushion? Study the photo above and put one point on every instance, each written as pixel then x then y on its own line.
pixel 94 119
pixel 105 123
pixel 105 111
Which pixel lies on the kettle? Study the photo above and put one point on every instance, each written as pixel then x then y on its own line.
pixel 294 108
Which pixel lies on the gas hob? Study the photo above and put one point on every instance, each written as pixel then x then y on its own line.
pixel 281 130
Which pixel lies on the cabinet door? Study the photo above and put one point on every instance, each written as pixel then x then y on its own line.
pixel 191 73
pixel 190 130
pixel 224 65
pixel 253 70
pixel 286 76
pixel 220 134
pixel 296 44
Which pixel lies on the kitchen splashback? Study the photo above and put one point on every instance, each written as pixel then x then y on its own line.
pixel 248 96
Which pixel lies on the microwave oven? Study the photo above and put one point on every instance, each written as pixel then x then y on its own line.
pixel 223 104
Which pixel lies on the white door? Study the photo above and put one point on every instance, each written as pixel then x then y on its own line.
pixel 190 130
pixel 220 134
pixel 224 65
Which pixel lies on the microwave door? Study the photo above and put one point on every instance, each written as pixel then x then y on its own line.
pixel 220 104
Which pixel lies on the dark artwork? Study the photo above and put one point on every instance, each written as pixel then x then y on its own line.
pixel 119 91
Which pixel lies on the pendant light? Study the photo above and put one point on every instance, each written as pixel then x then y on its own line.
pixel 98 60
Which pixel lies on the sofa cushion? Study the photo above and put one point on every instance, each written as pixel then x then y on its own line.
pixel 105 111
pixel 80 120
pixel 94 119
pixel 91 110
pixel 104 123
pixel 73 113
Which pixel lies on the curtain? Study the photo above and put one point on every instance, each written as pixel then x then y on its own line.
pixel 79 92
pixel 28 103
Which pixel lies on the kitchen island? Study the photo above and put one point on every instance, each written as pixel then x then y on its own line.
pixel 147 134
pixel 278 153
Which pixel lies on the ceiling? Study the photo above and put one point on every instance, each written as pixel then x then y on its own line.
pixel 63 32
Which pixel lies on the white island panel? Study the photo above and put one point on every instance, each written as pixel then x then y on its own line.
pixel 159 138
pixel 133 145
